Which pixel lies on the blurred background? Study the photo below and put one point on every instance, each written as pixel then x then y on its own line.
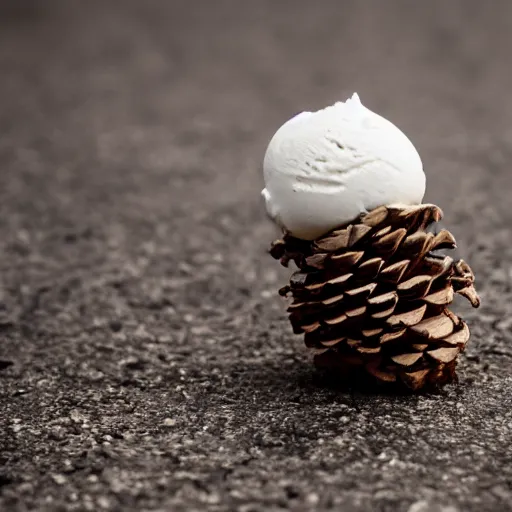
pixel 136 294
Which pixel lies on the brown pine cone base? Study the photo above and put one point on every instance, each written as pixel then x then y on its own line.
pixel 373 296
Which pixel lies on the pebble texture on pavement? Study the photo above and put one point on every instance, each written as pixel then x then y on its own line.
pixel 146 361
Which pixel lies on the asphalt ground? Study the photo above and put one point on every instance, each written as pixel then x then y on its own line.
pixel 146 361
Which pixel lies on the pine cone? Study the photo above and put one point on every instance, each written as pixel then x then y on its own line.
pixel 374 295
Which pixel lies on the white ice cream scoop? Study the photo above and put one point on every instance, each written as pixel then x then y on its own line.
pixel 323 169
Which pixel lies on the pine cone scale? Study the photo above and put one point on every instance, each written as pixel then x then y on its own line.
pixel 440 297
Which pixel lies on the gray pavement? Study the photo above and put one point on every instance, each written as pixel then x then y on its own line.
pixel 146 362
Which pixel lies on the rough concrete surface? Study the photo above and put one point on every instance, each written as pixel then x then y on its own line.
pixel 146 362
